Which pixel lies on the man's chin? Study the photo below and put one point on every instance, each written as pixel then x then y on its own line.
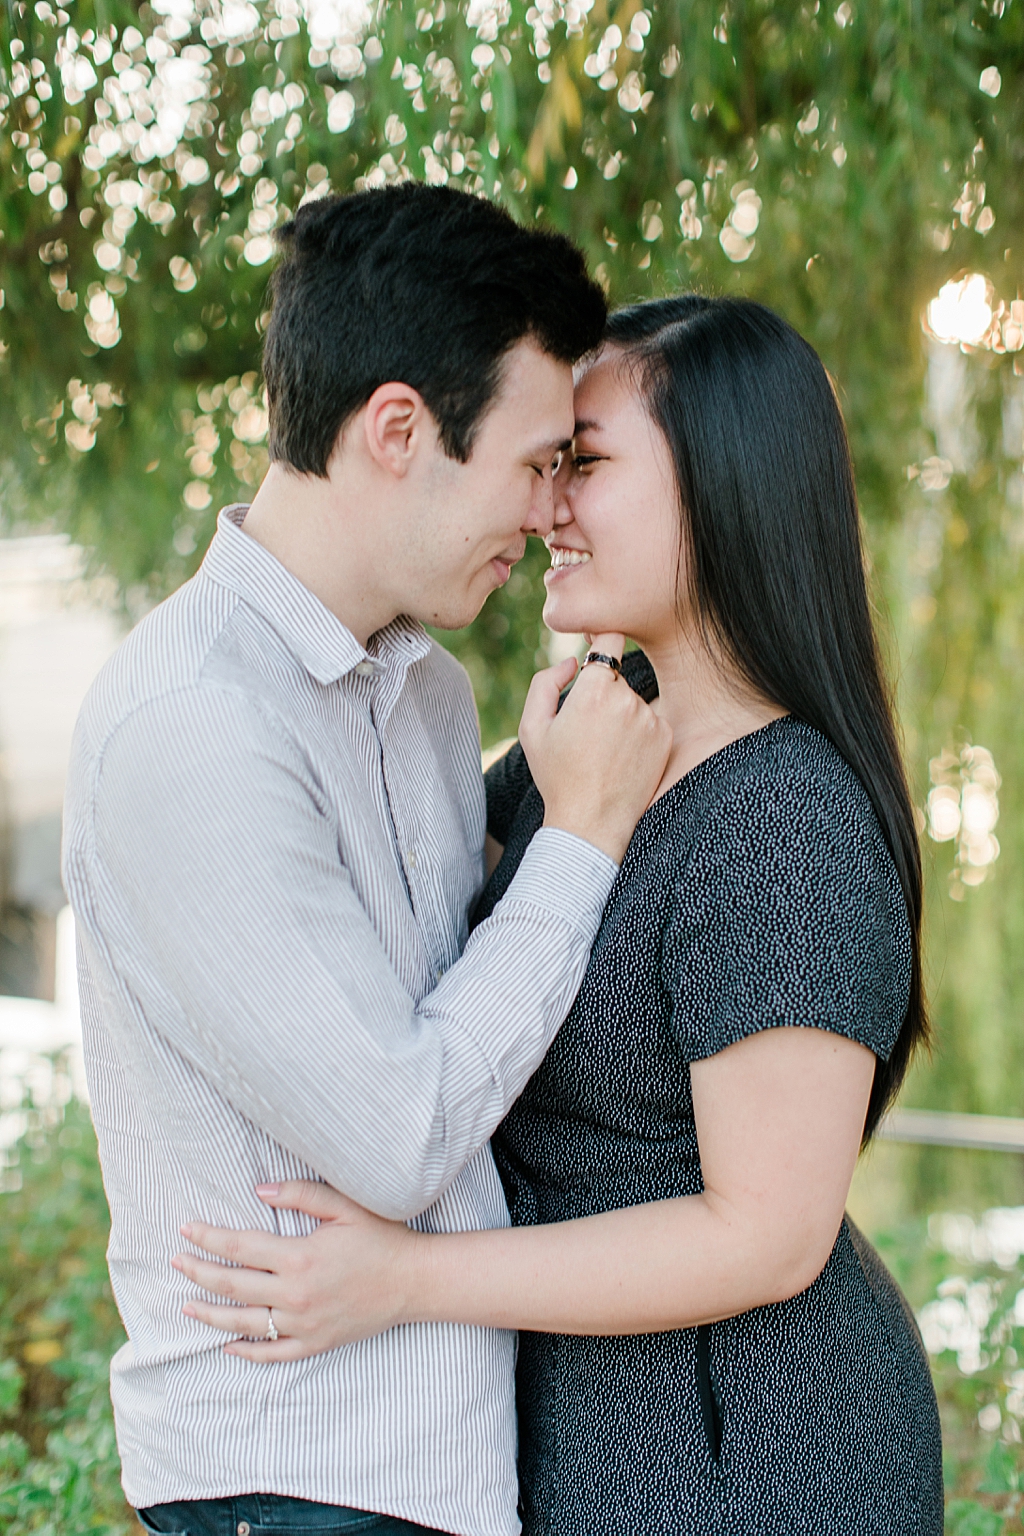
pixel 456 615
pixel 452 616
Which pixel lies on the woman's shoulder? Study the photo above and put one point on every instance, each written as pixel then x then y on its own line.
pixel 507 782
pixel 781 829
pixel 788 898
pixel 782 788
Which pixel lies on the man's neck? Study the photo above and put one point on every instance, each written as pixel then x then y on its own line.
pixel 309 525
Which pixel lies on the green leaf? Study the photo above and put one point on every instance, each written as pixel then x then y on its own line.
pixel 966 1518
pixel 11 1382
pixel 14 1453
pixel 1002 1474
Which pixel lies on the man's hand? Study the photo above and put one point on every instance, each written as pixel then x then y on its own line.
pixel 598 761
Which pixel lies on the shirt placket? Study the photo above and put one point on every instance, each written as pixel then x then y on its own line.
pixel 404 800
pixel 382 687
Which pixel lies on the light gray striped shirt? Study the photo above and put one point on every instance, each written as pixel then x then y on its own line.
pixel 272 837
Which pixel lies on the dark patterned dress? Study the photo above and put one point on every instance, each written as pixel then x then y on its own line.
pixel 757 892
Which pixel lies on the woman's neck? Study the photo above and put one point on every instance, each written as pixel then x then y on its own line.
pixel 706 705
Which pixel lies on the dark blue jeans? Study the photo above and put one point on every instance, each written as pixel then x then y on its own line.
pixel 266 1514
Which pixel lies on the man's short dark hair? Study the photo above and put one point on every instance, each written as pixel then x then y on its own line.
pixel 424 285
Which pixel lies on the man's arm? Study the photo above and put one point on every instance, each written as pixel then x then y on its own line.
pixel 219 888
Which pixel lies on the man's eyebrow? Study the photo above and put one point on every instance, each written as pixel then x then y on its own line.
pixel 553 447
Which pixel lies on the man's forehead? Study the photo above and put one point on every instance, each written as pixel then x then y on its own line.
pixel 527 367
pixel 533 399
pixel 553 445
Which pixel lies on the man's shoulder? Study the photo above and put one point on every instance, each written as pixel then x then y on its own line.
pixel 165 655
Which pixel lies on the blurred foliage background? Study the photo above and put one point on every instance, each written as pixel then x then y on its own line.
pixel 857 165
pixel 59 1326
pixel 843 163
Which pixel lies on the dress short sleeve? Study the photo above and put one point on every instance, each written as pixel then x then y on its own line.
pixel 788 912
pixel 506 782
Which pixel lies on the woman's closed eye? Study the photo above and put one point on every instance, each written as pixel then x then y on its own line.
pixel 581 461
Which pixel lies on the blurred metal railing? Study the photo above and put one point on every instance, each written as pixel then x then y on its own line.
pixel 937 1128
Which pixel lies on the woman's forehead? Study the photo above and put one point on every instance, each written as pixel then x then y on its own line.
pixel 603 390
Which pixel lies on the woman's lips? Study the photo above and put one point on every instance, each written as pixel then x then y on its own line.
pixel 557 573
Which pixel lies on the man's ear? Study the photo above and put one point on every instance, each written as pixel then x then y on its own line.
pixel 396 425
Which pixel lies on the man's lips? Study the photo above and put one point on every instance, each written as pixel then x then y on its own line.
pixel 503 564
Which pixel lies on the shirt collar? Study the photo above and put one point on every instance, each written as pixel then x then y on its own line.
pixel 311 631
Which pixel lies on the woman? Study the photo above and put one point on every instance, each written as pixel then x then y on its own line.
pixel 708 1344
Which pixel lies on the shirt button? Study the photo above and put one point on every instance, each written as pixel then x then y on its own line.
pixel 243 1528
pixel 410 858
pixel 364 669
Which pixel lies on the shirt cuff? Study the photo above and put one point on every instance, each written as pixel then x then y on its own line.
pixel 566 876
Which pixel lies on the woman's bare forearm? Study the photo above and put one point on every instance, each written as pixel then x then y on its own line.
pixel 779 1118
pixel 645 1269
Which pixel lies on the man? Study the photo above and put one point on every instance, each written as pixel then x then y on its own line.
pixel 273 833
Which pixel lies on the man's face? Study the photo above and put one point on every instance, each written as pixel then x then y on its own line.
pixel 467 523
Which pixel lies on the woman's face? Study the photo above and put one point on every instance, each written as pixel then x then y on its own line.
pixel 615 544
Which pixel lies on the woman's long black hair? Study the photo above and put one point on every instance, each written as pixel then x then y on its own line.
pixel 773 555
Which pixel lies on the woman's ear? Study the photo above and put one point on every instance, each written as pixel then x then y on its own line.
pixel 396 424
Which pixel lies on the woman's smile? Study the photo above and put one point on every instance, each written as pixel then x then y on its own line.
pixel 564 560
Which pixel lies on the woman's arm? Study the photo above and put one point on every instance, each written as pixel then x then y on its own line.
pixel 779 1120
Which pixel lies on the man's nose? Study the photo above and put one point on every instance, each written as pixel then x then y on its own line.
pixel 541 517
pixel 560 494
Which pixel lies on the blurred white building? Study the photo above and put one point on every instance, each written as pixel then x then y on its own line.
pixel 57 628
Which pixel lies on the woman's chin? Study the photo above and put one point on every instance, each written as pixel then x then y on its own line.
pixel 563 616
pixel 566 620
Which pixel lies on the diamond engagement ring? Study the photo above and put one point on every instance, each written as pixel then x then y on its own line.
pixel 271 1325
pixel 595 657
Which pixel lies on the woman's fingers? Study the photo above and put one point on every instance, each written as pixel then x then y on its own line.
pixel 265 1251
pixel 261 1352
pixel 332 1287
pixel 258 1250
pixel 256 1286
pixel 607 645
pixel 313 1199
pixel 250 1322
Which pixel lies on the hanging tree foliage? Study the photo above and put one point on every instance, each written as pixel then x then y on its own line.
pixel 836 162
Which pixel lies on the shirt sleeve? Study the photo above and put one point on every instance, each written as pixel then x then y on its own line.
pixel 788 913
pixel 227 909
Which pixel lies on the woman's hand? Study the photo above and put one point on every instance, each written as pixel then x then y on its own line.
pixel 341 1283
pixel 598 761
